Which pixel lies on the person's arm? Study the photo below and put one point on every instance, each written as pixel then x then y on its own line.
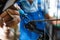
pixel 43 5
pixel 44 8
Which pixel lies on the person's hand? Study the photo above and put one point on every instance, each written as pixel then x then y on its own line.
pixel 1 22
pixel 55 22
pixel 11 17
